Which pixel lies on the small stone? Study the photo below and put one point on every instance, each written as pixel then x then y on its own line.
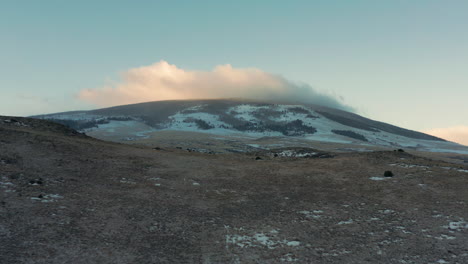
pixel 388 174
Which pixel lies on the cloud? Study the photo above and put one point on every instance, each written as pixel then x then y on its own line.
pixel 458 134
pixel 163 81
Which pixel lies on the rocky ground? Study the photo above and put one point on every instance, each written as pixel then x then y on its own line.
pixel 68 198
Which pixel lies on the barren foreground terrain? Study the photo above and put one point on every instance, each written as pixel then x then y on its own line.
pixel 69 198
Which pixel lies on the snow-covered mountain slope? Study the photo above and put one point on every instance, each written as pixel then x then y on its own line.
pixel 248 118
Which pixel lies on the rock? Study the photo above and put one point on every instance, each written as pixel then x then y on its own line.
pixel 258 158
pixel 388 174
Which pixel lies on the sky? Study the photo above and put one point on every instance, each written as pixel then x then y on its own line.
pixel 399 62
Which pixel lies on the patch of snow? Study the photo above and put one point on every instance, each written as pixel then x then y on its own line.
pixel 347 222
pixel 314 214
pixel 441 237
pixel 289 258
pixel 270 241
pixel 47 198
pixel 293 243
pixel 54 196
pixel 292 153
pixel 458 225
pixel 127 181
pixel 408 166
pixel 336 252
pixel 379 178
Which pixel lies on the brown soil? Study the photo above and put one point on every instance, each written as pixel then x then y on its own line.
pixel 68 198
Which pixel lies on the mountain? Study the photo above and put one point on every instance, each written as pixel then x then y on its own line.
pixel 69 198
pixel 250 119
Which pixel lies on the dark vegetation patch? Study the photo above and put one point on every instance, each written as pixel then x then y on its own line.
pixel 202 124
pixel 348 122
pixel 9 159
pixel 80 124
pixel 267 113
pixel 84 124
pixel 360 122
pixel 350 134
pixel 293 128
pixel 403 132
pixel 299 110
pixel 190 111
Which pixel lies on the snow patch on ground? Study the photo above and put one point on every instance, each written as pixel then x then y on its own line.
pixel 48 198
pixel 347 222
pixel 408 166
pixel 379 178
pixel 6 185
pixel 289 258
pixel 261 239
pixel 292 153
pixel 457 225
pixel 312 214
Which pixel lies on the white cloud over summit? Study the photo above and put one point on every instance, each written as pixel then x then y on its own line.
pixel 164 81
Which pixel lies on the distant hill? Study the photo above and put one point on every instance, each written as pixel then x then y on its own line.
pixel 248 117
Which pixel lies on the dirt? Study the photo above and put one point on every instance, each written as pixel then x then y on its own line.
pixel 69 198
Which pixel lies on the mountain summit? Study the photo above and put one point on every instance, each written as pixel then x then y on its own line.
pixel 247 118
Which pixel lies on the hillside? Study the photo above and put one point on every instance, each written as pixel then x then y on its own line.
pixel 249 119
pixel 69 198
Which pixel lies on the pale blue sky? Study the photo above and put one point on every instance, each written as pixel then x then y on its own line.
pixel 401 62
